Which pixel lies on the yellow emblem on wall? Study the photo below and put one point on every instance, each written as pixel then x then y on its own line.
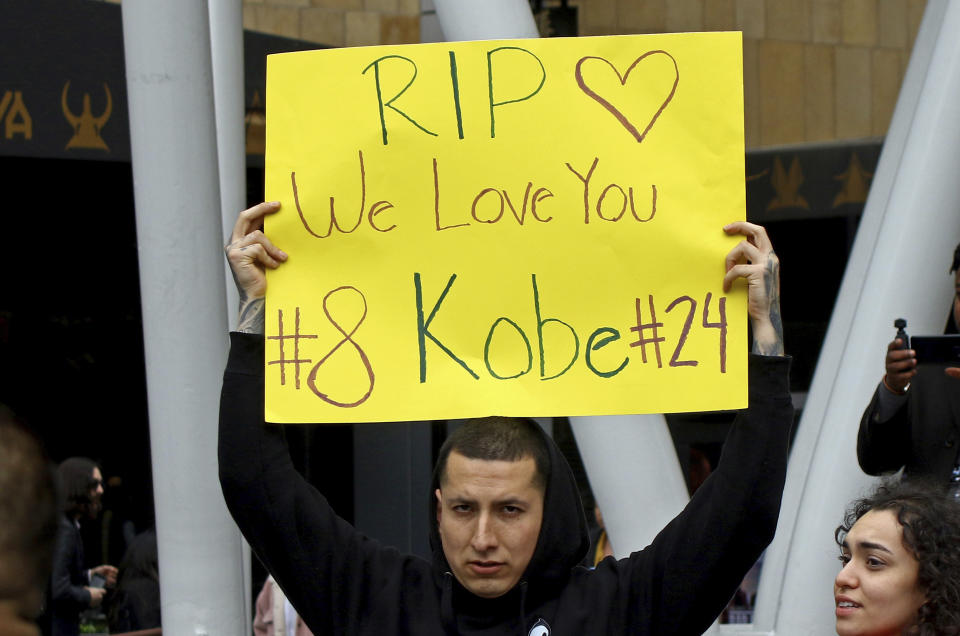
pixel 86 126
pixel 856 183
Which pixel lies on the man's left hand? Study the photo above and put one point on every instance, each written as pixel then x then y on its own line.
pixel 753 259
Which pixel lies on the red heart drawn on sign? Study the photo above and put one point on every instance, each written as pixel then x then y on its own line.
pixel 623 82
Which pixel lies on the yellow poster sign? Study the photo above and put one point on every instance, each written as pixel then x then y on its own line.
pixel 524 227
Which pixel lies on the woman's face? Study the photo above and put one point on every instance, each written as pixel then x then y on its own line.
pixel 876 592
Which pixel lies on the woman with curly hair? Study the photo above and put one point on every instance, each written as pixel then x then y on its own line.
pixel 900 549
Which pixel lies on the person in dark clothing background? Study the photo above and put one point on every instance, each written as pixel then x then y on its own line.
pixel 508 530
pixel 28 509
pixel 136 601
pixel 72 588
pixel 913 419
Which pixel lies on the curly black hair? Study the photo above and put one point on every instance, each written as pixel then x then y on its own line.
pixel 930 519
pixel 956 259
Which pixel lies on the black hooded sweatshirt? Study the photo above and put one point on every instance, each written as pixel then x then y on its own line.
pixel 342 582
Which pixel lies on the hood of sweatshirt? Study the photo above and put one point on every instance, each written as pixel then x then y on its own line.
pixel 562 544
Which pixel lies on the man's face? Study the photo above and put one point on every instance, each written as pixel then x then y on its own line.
pixel 96 493
pixel 489 515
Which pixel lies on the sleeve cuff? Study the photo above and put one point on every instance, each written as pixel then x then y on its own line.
pixel 246 353
pixel 770 372
pixel 888 403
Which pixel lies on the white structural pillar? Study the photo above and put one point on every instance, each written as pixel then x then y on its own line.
pixel 173 145
pixel 226 47
pixel 226 52
pixel 631 461
pixel 487 20
pixel 897 268
pixel 634 474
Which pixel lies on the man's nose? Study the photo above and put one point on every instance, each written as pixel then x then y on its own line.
pixel 484 536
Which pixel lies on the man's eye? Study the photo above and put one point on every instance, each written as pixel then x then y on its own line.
pixel 512 510
pixel 461 508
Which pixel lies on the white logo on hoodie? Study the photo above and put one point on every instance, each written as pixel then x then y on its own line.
pixel 540 628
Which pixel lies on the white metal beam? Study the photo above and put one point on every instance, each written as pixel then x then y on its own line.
pixel 176 192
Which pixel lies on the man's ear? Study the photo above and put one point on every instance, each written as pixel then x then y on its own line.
pixel 439 503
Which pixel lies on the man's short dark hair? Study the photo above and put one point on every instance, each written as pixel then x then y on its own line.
pixel 77 482
pixel 498 438
pixel 28 508
pixel 956 259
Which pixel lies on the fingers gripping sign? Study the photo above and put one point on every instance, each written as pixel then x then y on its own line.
pixel 754 260
pixel 250 253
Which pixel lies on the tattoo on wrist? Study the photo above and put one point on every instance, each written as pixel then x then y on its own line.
pixel 771 283
pixel 251 315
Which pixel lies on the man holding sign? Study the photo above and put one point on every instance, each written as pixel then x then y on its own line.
pixel 508 528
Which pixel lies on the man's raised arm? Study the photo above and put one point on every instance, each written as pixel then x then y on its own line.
pixel 696 563
pixel 250 252
pixel 288 523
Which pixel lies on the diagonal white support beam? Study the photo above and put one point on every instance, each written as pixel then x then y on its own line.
pixel 487 20
pixel 897 267
pixel 634 474
pixel 631 461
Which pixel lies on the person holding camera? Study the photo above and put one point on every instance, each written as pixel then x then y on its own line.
pixel 913 420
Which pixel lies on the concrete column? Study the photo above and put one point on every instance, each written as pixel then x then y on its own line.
pixel 634 475
pixel 173 145
pixel 226 48
pixel 226 52
pixel 487 20
pixel 403 450
pixel 897 267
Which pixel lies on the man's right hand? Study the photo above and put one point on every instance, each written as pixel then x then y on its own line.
pixel 901 366
pixel 96 595
pixel 249 253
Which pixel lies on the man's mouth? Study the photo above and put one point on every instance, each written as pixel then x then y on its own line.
pixel 485 568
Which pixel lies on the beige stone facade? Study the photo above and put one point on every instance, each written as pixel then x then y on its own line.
pixel 336 22
pixel 814 70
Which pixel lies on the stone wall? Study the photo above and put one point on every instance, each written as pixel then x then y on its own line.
pixel 814 70
pixel 336 22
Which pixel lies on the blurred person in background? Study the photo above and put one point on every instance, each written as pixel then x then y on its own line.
pixel 275 615
pixel 28 508
pixel 136 602
pixel 73 588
